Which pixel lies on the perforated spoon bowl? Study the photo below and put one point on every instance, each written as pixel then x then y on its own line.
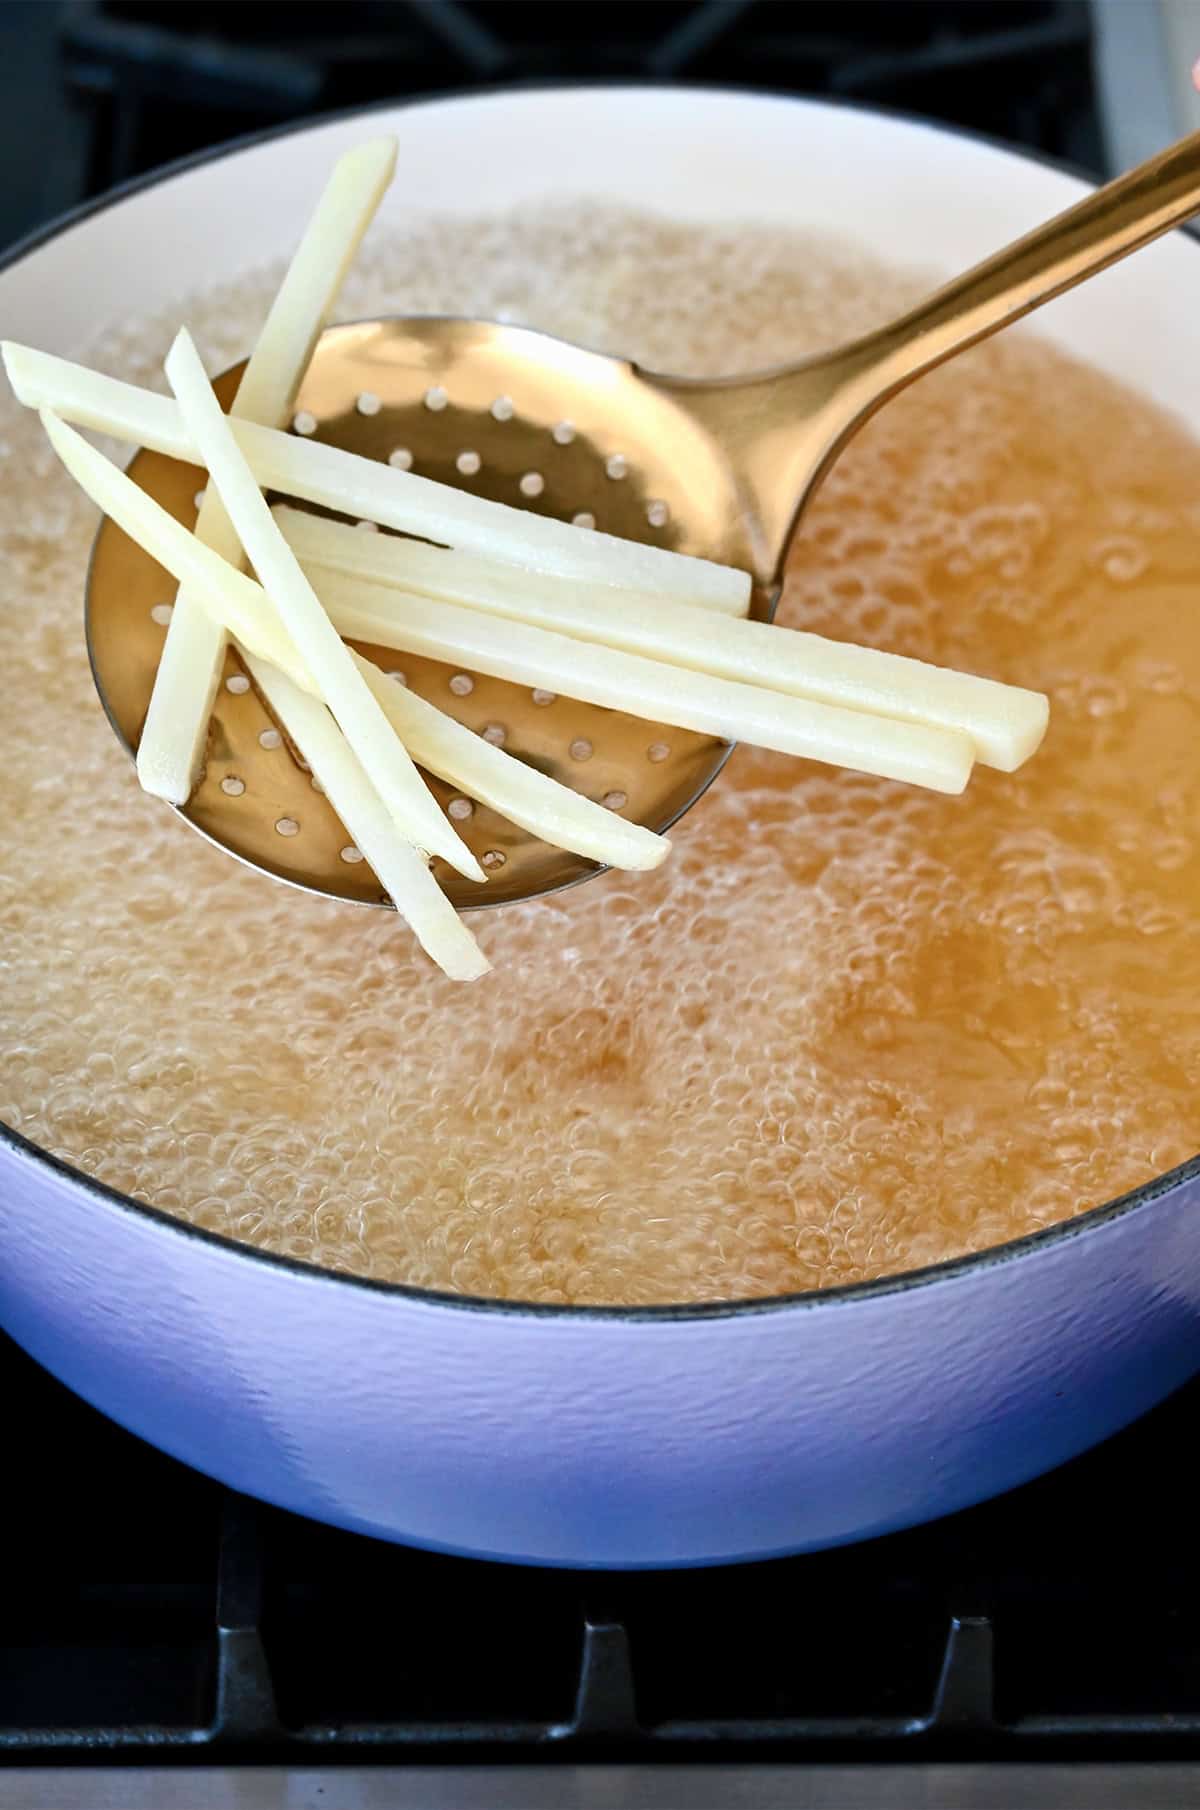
pixel 720 468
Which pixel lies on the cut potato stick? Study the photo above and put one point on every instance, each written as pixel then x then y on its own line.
pixel 518 651
pixel 1006 724
pixel 171 750
pixel 336 479
pixel 940 759
pixel 238 605
pixel 552 812
pixel 362 721
pixel 242 606
pixel 397 866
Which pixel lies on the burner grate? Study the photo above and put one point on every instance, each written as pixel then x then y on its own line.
pixel 165 81
pixel 154 1614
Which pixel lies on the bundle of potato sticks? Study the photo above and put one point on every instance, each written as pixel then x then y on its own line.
pixel 494 589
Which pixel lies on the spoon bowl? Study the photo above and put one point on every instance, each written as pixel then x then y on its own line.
pixel 508 414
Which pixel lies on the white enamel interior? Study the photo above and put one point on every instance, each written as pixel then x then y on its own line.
pixel 909 191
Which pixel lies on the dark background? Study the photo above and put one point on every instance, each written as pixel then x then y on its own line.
pixel 95 91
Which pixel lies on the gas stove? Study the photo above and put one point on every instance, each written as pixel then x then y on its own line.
pixel 163 80
pixel 165 1643
pixel 164 1640
pixel 111 88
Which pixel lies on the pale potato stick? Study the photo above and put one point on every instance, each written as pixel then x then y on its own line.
pixel 41 380
pixel 366 610
pixel 348 203
pixel 397 866
pixel 171 749
pixel 341 480
pixel 238 605
pixel 940 759
pixel 236 599
pixel 552 812
pixel 318 473
pixel 241 604
pixel 1005 723
pixel 342 686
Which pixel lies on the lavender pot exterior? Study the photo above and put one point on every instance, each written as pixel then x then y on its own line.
pixel 601 1439
pixel 568 1437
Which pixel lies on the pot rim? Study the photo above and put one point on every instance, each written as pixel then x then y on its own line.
pixel 1092 1219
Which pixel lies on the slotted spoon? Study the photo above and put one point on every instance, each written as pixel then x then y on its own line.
pixel 721 468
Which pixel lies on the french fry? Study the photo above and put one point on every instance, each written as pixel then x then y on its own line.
pixel 1005 723
pixel 365 611
pixel 940 759
pixel 397 866
pixel 238 605
pixel 171 749
pixel 464 580
pixel 552 812
pixel 230 597
pixel 336 479
pixel 342 687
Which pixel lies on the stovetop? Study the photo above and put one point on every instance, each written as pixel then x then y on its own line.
pixel 108 89
pixel 158 76
pixel 164 1642
pixel 151 1616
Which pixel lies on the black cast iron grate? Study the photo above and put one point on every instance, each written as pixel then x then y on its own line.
pixel 165 80
pixel 150 1614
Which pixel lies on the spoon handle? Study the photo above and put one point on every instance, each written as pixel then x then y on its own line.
pixel 1119 218
pixel 781 430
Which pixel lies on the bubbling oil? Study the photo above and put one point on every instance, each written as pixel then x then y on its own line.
pixel 848 1029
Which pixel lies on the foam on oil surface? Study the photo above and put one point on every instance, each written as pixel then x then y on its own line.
pixel 849 1028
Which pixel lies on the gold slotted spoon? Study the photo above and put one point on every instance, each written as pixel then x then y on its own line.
pixel 720 468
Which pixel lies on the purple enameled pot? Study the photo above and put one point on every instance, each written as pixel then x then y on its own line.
pixel 570 1436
